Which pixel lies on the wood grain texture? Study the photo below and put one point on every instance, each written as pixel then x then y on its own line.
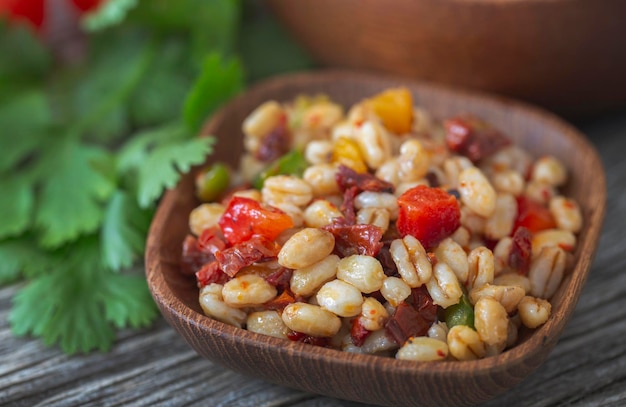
pixel 564 54
pixel 378 380
pixel 155 367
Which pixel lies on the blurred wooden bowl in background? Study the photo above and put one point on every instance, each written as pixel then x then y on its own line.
pixel 566 55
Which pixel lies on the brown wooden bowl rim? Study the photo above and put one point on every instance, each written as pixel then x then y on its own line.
pixel 546 335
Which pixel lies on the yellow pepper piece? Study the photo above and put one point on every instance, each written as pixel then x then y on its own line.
pixel 346 152
pixel 395 109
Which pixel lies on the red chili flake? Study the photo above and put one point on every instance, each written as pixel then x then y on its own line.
pixel 406 322
pixel 473 137
pixel 521 249
pixel 346 177
pixel 441 353
pixel 211 273
pixel 312 340
pixel 193 258
pixel 257 248
pixel 432 258
pixel 275 144
pixel 355 239
pixel 358 333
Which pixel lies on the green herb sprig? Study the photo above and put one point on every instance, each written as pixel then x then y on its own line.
pixel 87 149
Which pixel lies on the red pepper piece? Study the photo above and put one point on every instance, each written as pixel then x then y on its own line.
pixel 280 302
pixel 533 215
pixel 245 217
pixel 429 214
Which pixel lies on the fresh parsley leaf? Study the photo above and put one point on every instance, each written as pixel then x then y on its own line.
pixel 23 58
pixel 16 205
pixel 72 192
pixel 22 256
pixel 219 81
pixel 160 96
pixel 127 301
pixel 24 121
pixel 124 230
pixel 162 167
pixel 103 93
pixel 79 304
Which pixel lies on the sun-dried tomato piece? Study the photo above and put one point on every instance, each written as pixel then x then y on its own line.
pixel 358 333
pixel 386 260
pixel 346 177
pixel 429 214
pixel 347 205
pixel 274 144
pixel 211 273
pixel 521 250
pixel 355 239
pixel 280 278
pixel 245 217
pixel 423 303
pixel 533 215
pixel 193 258
pixel 473 138
pixel 255 249
pixel 406 322
pixel 312 340
pixel 211 240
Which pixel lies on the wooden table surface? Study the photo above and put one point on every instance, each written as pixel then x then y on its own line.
pixel 155 367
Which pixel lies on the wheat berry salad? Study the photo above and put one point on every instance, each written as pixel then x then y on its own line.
pixel 378 229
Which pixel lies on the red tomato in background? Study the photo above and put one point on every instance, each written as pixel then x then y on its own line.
pixel 34 11
pixel 429 214
pixel 245 217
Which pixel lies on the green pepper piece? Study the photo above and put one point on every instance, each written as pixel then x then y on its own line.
pixel 292 163
pixel 212 181
pixel 460 314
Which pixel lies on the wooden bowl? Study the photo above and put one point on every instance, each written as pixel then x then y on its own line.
pixel 366 378
pixel 567 55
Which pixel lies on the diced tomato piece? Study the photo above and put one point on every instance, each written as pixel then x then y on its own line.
pixel 245 217
pixel 533 215
pixel 429 214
